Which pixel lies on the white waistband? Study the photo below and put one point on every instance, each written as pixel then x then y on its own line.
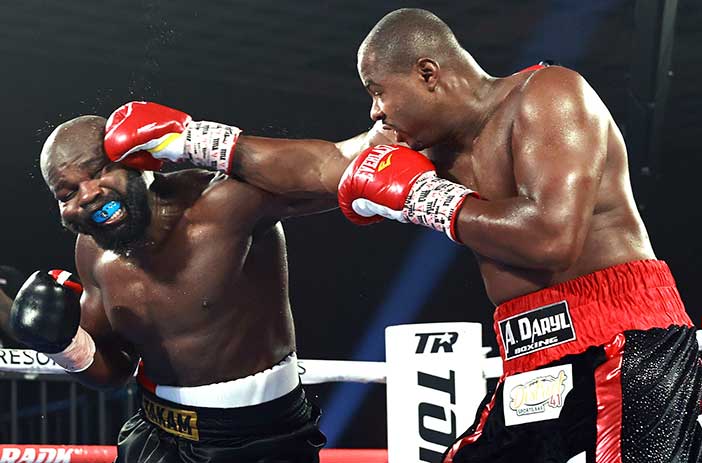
pixel 253 390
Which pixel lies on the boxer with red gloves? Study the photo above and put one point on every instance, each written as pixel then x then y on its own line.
pixel 561 247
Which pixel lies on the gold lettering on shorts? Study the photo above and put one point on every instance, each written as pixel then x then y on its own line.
pixel 182 423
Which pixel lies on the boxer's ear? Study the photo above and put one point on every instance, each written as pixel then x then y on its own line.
pixel 428 70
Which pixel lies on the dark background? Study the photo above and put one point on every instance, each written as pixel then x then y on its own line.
pixel 288 69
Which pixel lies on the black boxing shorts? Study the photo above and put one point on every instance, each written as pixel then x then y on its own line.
pixel 282 429
pixel 603 368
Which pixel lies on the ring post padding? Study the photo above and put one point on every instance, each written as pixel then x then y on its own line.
pixel 435 384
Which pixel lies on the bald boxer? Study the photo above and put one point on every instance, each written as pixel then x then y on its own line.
pixel 530 172
pixel 188 272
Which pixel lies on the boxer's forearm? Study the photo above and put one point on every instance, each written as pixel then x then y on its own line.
pixel 296 168
pixel 110 370
pixel 518 232
pixel 301 168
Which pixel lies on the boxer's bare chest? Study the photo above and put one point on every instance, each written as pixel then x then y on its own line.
pixel 183 286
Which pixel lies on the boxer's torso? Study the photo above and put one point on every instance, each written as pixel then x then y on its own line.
pixel 616 233
pixel 210 303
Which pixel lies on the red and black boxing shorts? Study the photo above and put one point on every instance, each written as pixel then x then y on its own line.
pixel 603 368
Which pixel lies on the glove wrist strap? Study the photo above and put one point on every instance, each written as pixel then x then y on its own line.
pixel 434 202
pixel 211 145
pixel 79 354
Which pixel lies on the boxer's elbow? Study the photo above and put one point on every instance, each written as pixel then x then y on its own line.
pixel 557 255
pixel 109 372
pixel 558 249
pixel 104 381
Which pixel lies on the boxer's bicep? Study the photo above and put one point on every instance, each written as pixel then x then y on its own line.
pixel 559 146
pixel 92 312
pixel 93 317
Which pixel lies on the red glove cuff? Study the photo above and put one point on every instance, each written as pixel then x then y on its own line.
pixel 67 280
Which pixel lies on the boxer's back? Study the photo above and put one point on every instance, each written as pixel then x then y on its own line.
pixel 210 303
pixel 616 233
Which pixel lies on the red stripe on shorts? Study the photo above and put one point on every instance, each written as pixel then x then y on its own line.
pixel 608 388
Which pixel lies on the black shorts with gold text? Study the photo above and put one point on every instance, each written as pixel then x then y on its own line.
pixel 284 430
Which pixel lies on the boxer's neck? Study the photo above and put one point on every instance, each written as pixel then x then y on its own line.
pixel 166 212
pixel 169 196
pixel 475 104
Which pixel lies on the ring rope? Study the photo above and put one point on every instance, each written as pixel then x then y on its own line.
pixel 30 362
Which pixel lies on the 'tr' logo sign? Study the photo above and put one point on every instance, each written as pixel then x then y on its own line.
pixel 443 341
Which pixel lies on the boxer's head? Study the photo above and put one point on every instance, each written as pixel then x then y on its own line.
pixel 410 63
pixel 96 196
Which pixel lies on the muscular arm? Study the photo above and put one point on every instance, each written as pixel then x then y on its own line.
pixel 115 359
pixel 559 143
pixel 309 169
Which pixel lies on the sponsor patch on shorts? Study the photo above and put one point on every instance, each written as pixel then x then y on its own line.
pixel 536 330
pixel 176 421
pixel 536 395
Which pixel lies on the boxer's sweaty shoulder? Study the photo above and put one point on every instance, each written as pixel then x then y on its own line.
pixel 615 232
pixel 209 304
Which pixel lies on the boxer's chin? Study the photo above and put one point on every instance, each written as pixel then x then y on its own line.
pixel 122 237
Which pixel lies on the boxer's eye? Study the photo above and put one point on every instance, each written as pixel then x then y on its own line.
pixel 67 197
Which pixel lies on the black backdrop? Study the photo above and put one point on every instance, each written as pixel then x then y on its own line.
pixel 288 69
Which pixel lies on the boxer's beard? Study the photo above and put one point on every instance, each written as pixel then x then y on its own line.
pixel 131 230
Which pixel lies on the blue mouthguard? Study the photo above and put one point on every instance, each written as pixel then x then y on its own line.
pixel 105 212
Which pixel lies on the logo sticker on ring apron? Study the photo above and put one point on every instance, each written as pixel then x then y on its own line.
pixel 536 395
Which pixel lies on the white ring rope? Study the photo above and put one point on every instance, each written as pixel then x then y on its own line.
pixel 29 362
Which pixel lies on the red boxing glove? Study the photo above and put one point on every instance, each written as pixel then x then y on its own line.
pixel 394 182
pixel 142 134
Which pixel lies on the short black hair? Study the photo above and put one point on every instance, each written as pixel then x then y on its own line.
pixel 403 36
